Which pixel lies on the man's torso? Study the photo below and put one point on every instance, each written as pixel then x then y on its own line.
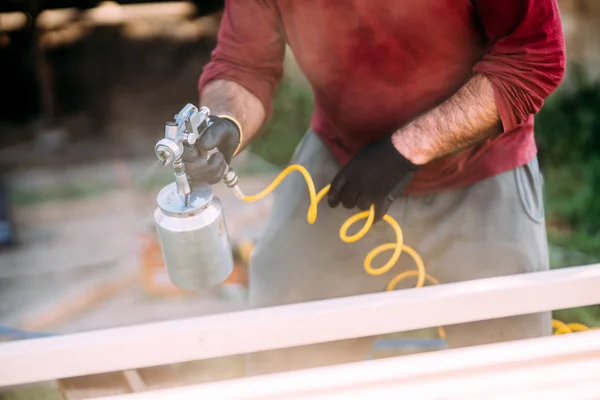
pixel 374 66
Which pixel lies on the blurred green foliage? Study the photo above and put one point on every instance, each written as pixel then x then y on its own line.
pixel 568 135
pixel 292 109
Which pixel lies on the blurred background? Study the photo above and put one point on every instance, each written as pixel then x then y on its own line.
pixel 86 88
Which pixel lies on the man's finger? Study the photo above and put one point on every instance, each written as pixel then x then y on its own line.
pixel 349 196
pixel 217 165
pixel 189 154
pixel 213 136
pixel 195 165
pixel 209 171
pixel 335 190
pixel 364 202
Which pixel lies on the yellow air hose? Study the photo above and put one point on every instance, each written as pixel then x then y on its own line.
pixel 397 246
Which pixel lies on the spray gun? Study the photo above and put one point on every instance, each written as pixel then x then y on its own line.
pixel 191 225
pixel 189 219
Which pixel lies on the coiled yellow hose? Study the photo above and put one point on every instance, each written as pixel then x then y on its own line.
pixel 397 246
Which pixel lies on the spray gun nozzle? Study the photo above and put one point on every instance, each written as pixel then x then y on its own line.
pixel 162 157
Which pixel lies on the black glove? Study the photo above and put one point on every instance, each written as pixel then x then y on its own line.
pixel 377 175
pixel 222 134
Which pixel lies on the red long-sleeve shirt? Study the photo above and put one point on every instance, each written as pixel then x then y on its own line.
pixel 375 65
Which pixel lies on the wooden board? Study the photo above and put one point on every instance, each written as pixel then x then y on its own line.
pixel 558 367
pixel 294 325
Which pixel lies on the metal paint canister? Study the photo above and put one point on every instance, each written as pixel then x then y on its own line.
pixel 193 237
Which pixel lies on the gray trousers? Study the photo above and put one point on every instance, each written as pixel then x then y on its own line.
pixel 495 227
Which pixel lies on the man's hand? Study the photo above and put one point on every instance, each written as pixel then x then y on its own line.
pixel 222 134
pixel 376 175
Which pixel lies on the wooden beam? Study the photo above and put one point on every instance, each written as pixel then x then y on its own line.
pixel 295 325
pixel 555 367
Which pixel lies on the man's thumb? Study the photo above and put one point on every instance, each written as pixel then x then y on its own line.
pixel 381 209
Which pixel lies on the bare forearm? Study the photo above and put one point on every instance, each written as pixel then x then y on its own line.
pixel 465 119
pixel 224 97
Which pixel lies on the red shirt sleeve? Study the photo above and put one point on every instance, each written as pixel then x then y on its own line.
pixel 250 49
pixel 526 58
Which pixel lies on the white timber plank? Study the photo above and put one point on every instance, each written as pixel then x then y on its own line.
pixel 580 390
pixel 294 325
pixel 504 370
pixel 505 382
